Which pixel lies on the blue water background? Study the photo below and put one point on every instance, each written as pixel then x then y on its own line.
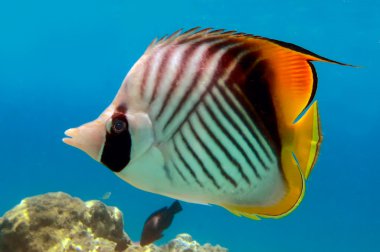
pixel 61 63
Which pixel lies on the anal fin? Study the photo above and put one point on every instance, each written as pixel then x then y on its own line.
pixel 295 188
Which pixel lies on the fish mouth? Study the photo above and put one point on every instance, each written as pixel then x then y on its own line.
pixel 89 137
pixel 70 135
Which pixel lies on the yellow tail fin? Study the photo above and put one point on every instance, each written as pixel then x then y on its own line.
pixel 307 139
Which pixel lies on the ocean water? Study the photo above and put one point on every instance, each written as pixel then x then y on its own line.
pixel 62 62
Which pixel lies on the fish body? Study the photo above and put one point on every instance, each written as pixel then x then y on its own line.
pixel 106 195
pixel 211 117
pixel 157 222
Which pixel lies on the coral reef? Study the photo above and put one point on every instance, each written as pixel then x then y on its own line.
pixel 59 222
pixel 182 243
pixel 185 243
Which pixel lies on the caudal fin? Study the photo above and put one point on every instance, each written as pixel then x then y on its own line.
pixel 175 207
pixel 307 139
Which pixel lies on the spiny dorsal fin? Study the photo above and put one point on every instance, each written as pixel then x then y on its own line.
pixel 294 79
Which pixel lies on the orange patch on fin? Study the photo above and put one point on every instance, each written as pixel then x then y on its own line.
pixel 290 74
pixel 293 79
pixel 295 190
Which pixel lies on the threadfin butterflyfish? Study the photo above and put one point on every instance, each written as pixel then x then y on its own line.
pixel 214 117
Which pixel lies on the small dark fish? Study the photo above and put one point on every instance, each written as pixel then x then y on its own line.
pixel 158 222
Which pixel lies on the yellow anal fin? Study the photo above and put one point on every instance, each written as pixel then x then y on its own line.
pixel 292 195
pixel 307 139
pixel 239 213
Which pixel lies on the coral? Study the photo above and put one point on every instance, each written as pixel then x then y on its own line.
pixel 58 222
pixel 185 243
pixel 182 243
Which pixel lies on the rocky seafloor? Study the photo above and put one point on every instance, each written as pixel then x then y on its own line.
pixel 60 222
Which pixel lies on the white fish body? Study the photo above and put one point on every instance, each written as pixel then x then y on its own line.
pixel 182 124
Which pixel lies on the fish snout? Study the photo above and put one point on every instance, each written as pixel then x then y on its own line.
pixel 89 137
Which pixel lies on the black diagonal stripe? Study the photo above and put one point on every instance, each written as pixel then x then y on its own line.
pixel 185 61
pixel 146 72
pixel 187 55
pixel 239 113
pixel 223 63
pixel 186 164
pixel 164 65
pixel 250 82
pixel 167 173
pixel 179 171
pixel 199 161
pixel 241 133
pixel 207 56
pixel 231 138
pixel 212 156
pixel 197 75
pixel 255 95
pixel 219 143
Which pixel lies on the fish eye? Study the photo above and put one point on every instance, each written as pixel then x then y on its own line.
pixel 119 126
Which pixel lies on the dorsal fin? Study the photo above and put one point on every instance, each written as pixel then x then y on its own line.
pixel 295 78
pixel 284 69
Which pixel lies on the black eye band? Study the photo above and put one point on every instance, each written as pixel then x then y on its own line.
pixel 117 147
